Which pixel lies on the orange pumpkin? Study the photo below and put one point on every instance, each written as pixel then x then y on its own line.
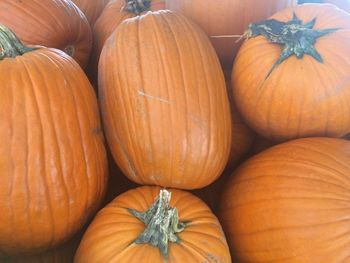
pixel 61 254
pixel 290 203
pixel 242 135
pixel 297 97
pixel 182 230
pixel 91 9
pixel 56 24
pixel 224 19
pixel 53 161
pixel 164 103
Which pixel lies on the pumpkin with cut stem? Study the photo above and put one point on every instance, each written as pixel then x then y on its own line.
pixel 291 77
pixel 138 226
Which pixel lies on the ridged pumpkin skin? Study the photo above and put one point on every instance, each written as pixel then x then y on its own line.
pixel 53 164
pixel 225 18
pixel 50 23
pixel 111 235
pixel 290 204
pixel 229 17
pixel 302 97
pixel 242 135
pixel 164 104
pixel 91 9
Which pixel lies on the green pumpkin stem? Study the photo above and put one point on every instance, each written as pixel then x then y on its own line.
pixel 10 45
pixel 162 224
pixel 296 37
pixel 137 6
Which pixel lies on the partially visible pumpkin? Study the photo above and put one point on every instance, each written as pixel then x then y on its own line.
pixel 184 230
pixel 222 19
pixel 290 203
pixel 164 102
pixel 242 135
pixel 53 166
pixel 91 8
pixel 299 97
pixel 50 23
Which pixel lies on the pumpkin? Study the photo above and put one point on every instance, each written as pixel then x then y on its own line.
pixel 91 9
pixel 61 254
pixel 342 4
pixel 164 104
pixel 50 23
pixel 227 18
pixel 284 96
pixel 53 161
pixel 242 135
pixel 290 203
pixel 138 226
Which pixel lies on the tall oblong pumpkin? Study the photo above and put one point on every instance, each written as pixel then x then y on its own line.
pixel 50 23
pixel 53 166
pixel 290 204
pixel 283 95
pixel 164 104
pixel 149 224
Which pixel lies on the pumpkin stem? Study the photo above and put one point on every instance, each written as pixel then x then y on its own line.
pixel 10 45
pixel 137 6
pixel 162 224
pixel 296 37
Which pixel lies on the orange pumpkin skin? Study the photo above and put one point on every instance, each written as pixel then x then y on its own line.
pixel 225 18
pixel 290 203
pixel 111 235
pixel 50 23
pixel 61 254
pixel 164 104
pixel 242 135
pixel 302 97
pixel 91 9
pixel 53 161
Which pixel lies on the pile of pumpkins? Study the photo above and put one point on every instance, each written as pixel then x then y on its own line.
pixel 174 131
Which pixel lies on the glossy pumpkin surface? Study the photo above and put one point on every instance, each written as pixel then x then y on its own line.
pixel 301 97
pixel 50 23
pixel 53 162
pixel 290 203
pixel 111 235
pixel 164 103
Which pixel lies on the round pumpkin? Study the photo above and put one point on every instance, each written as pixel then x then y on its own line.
pixel 290 203
pixel 179 225
pixel 284 95
pixel 53 162
pixel 50 23
pixel 164 103
pixel 91 9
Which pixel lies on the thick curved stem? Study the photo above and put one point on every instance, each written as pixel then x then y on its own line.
pixel 137 6
pixel 162 224
pixel 10 45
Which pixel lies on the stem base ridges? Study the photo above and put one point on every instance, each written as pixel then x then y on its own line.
pixel 162 224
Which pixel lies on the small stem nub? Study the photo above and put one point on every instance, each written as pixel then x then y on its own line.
pixel 10 45
pixel 162 224
pixel 137 6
